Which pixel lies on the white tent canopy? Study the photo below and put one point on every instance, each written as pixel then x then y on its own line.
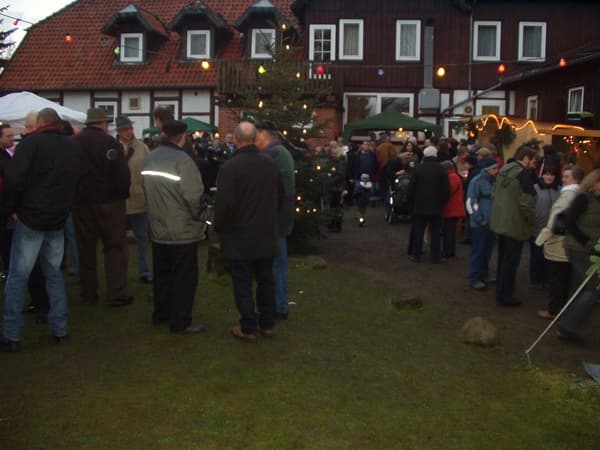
pixel 15 107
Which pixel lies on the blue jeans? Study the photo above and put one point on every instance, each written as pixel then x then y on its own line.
pixel 72 244
pixel 280 274
pixel 482 245
pixel 26 246
pixel 139 226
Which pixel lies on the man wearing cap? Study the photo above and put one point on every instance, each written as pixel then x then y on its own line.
pixel 177 215
pixel 513 219
pixel 249 193
pixel 267 141
pixel 428 191
pixel 479 207
pixel 99 212
pixel 137 217
pixel 39 190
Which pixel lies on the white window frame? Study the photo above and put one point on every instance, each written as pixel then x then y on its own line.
pixel 417 56
pixel 480 103
pixel 522 26
pixel 379 96
pixel 361 34
pixel 113 103
pixel 572 90
pixel 192 33
pixel 140 56
pixel 311 40
pixel 531 99
pixel 255 33
pixel 488 23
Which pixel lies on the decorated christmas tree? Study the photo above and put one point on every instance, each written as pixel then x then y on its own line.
pixel 285 91
pixel 4 45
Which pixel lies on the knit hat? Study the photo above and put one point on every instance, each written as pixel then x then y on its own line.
pixel 488 163
pixel 472 160
pixel 266 125
pixel 430 152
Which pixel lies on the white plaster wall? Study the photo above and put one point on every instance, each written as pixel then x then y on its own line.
pixel 79 101
pixel 144 97
pixel 106 94
pixel 195 101
pixel 159 94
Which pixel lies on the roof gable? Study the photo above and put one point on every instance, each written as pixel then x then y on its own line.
pixel 132 13
pixel 196 10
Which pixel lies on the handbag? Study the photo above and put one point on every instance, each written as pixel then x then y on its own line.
pixel 559 227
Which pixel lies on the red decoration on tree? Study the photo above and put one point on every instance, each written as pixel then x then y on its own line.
pixel 320 70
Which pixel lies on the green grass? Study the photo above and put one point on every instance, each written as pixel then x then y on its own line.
pixel 347 371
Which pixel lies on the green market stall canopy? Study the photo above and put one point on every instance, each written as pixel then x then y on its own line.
pixel 391 120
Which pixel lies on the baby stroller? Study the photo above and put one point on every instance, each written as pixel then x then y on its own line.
pixel 362 196
pixel 397 204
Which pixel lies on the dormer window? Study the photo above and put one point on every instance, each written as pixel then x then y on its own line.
pixel 198 44
pixel 132 47
pixel 263 42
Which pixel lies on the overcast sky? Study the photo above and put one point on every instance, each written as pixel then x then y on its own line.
pixel 29 10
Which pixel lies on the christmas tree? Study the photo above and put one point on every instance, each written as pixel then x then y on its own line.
pixel 4 46
pixel 285 91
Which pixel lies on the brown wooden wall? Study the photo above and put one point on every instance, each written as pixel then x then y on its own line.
pixel 570 24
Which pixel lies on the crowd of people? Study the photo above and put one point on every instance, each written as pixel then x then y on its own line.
pixel 448 187
pixel 81 188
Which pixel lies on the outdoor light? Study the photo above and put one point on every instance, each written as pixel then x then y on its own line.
pixel 217 135
pixel 380 72
pixel 283 26
pixel 16 22
pixel 68 38
pixel 304 106
pixel 501 68
pixel 299 198
pixel 441 72
pixel 117 51
pixel 304 131
pixel 320 69
pixel 262 70
pixel 285 132
pixel 297 74
pixel 562 62
pixel 261 104
pixel 287 46
pixel 205 65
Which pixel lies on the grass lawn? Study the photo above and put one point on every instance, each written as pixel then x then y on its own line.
pixel 346 371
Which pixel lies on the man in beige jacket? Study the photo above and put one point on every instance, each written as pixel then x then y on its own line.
pixel 137 216
pixel 554 250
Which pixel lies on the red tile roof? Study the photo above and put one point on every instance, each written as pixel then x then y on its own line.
pixel 44 61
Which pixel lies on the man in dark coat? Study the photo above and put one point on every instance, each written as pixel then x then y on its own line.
pixel 100 212
pixel 39 190
pixel 428 192
pixel 249 195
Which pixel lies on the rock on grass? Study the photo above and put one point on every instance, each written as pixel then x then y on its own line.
pixel 479 331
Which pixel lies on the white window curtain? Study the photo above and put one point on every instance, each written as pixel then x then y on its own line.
pixel 408 40
pixel 486 41
pixel 576 100
pixel 132 47
pixel 351 38
pixel 532 42
pixel 198 44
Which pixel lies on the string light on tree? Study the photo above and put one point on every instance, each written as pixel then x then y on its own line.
pixel 68 38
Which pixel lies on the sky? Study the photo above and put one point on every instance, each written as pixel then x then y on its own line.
pixel 29 10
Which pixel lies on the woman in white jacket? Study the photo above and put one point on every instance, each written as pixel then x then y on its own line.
pixel 554 250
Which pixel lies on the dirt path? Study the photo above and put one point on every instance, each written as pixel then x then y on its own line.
pixel 378 250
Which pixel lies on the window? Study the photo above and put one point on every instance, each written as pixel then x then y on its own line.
pixel 109 107
pixel 351 39
pixel 408 40
pixel 131 47
pixel 532 107
pixel 198 44
pixel 532 41
pixel 364 105
pixel 486 41
pixel 171 104
pixel 263 41
pixel 575 100
pixel 322 43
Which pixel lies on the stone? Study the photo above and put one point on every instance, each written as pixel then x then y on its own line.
pixel 316 262
pixel 408 302
pixel 479 331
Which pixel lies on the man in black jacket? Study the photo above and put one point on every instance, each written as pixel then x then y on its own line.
pixel 428 192
pixel 39 190
pixel 100 212
pixel 249 194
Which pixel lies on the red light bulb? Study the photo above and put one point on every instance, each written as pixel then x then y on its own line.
pixel 501 68
pixel 562 62
pixel 320 70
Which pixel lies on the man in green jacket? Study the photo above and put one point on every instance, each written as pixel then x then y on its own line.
pixel 513 218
